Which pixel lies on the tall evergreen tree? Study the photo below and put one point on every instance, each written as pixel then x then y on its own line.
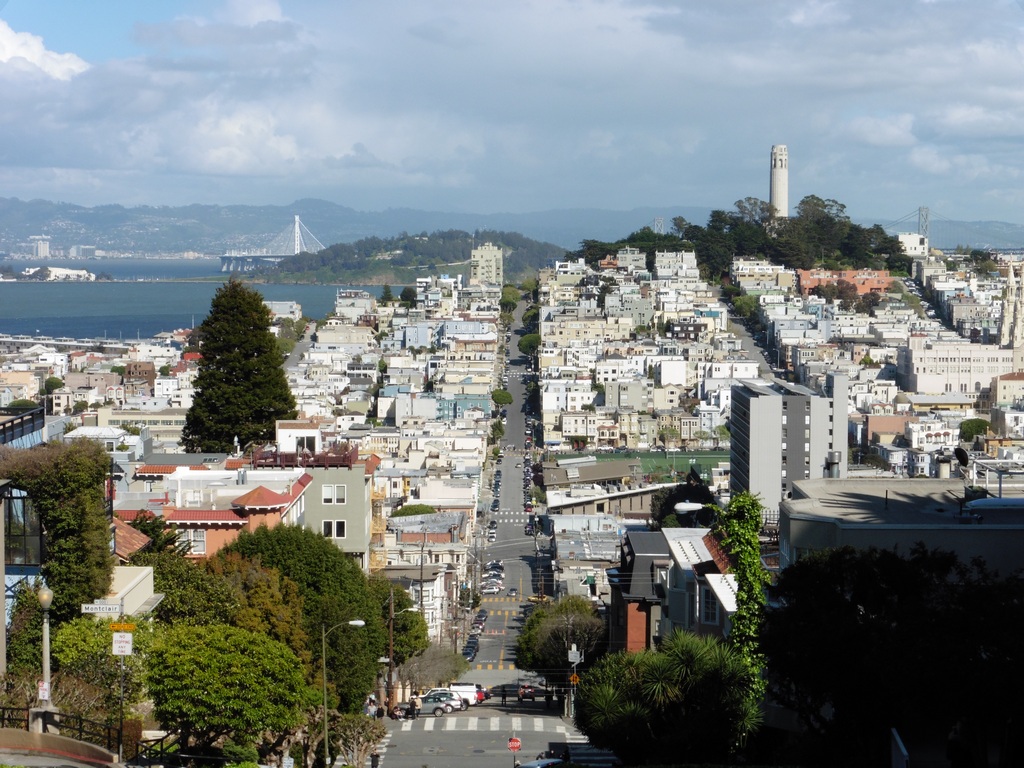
pixel 241 389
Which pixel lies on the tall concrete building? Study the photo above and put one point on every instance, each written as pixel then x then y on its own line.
pixel 487 265
pixel 784 432
pixel 778 193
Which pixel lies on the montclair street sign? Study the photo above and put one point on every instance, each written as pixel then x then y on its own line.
pixel 101 608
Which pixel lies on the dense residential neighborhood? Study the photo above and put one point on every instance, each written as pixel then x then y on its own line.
pixel 643 402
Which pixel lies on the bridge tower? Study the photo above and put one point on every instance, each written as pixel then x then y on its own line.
pixel 923 216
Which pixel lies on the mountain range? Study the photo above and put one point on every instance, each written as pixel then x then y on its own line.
pixel 214 229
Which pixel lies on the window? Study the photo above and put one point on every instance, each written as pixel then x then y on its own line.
pixel 194 539
pixel 334 494
pixel 709 607
pixel 334 529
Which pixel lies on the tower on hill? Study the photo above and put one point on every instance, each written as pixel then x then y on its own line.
pixel 778 192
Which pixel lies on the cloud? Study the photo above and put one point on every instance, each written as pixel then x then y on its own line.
pixel 894 131
pixel 26 52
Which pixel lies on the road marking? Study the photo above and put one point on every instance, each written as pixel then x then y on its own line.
pixel 449 724
pixel 428 725
pixel 473 723
pixel 407 725
pixel 495 723
pixel 517 724
pixel 538 724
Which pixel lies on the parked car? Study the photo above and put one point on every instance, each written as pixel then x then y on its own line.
pixel 439 706
pixel 490 589
pixel 527 693
pixel 513 592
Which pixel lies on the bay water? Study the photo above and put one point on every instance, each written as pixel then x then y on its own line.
pixel 147 297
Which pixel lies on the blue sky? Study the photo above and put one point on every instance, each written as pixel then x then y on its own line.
pixel 525 105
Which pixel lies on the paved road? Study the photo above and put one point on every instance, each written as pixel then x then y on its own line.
pixel 479 736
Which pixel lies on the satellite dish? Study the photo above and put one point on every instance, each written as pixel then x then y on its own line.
pixel 961 456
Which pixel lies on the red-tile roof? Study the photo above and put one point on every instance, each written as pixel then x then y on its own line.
pixel 261 497
pixel 160 470
pixel 213 516
pixel 128 540
pixel 236 463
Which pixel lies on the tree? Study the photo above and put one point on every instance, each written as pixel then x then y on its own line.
pixel 52 384
pixel 334 591
pixel 410 627
pixel 529 343
pixel 408 296
pixel 971 428
pixel 212 682
pixel 356 736
pixel 684 703
pixel 501 397
pixel 552 629
pixel 65 484
pixel 162 535
pixel 192 595
pixel 386 296
pixel 81 649
pixel 241 389
pixel 268 602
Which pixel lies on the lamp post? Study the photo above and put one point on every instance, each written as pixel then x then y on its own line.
pixel 391 643
pixel 45 601
pixel 324 632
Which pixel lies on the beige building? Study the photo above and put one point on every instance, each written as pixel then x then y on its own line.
pixel 487 265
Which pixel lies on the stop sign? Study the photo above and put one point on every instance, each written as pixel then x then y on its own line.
pixel 514 744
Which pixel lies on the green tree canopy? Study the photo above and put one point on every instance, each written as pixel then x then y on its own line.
pixel 408 296
pixel 212 682
pixel 192 595
pixel 334 591
pixel 162 535
pixel 81 649
pixel 241 389
pixel 553 628
pixel 529 343
pixel 386 296
pixel 52 384
pixel 66 487
pixel 684 703
pixel 268 602
pixel 501 397
pixel 971 428
pixel 410 626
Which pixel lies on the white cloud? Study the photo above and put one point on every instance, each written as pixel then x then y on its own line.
pixel 893 131
pixel 27 52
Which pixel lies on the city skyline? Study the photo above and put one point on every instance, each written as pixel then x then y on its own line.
pixel 463 107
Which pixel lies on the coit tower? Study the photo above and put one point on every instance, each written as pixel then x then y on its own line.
pixel 778 193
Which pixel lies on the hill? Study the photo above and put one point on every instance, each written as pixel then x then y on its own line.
pixel 214 229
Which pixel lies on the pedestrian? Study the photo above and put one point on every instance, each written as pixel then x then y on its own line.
pixel 414 706
pixel 374 759
pixel 504 695
pixel 380 713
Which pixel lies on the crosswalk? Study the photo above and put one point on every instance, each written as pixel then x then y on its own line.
pixel 580 751
pixel 504 723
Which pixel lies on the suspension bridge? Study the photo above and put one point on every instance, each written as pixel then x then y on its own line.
pixel 292 241
pixel 948 235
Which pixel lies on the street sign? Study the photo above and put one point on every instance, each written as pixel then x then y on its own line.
pixel 574 679
pixel 122 644
pixel 100 608
pixel 121 626
pixel 514 744
pixel 288 762
pixel 574 656
pixel 44 691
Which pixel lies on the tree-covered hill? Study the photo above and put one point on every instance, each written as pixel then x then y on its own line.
pixel 403 258
pixel 819 235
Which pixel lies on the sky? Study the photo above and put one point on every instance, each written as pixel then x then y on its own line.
pixel 517 106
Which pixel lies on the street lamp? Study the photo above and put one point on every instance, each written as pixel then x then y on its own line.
pixel 45 601
pixel 391 642
pixel 324 632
